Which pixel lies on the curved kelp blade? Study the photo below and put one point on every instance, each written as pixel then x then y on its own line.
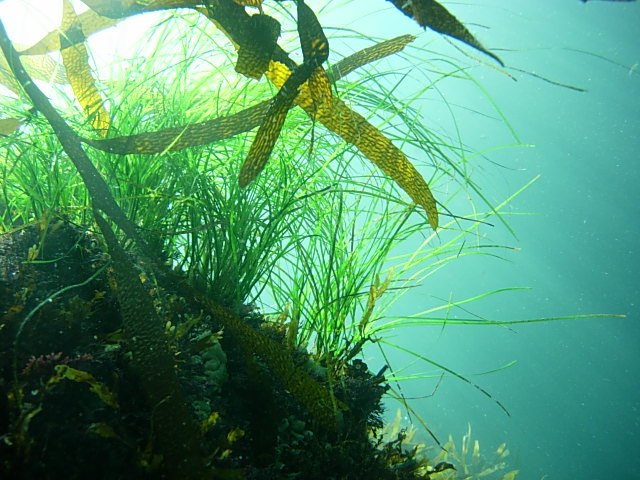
pixel 76 62
pixel 176 435
pixel 254 36
pixel 335 115
pixel 313 41
pixel 429 13
pixel 368 55
pixel 214 130
pixel 268 134
pixel 185 136
pixel 354 128
pixel 318 400
pixel 254 58
pixel 269 131
pixel 100 389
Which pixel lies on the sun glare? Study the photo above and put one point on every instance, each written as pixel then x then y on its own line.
pixel 28 21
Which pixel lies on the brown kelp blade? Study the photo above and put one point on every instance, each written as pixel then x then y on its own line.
pixel 315 50
pixel 335 115
pixel 368 55
pixel 254 36
pixel 269 131
pixel 253 58
pixel 185 136
pixel 76 62
pixel 318 400
pixel 318 101
pixel 217 129
pixel 313 41
pixel 429 13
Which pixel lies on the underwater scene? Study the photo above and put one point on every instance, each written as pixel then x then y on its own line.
pixel 319 239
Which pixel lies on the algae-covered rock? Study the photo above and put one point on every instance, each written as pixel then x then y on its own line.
pixel 74 407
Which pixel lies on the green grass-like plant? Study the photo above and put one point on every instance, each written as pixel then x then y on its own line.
pixel 313 233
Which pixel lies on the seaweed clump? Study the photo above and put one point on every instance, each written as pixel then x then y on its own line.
pixel 74 404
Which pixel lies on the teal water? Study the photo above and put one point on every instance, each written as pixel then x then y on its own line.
pixel 574 394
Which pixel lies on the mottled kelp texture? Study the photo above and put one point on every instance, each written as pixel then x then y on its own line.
pixel 214 130
pixel 76 62
pixel 314 396
pixel 429 13
pixel 253 36
pixel 176 436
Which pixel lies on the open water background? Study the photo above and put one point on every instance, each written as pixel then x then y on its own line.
pixel 574 394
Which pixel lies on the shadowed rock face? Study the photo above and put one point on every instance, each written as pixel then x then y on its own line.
pixel 267 415
pixel 176 437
